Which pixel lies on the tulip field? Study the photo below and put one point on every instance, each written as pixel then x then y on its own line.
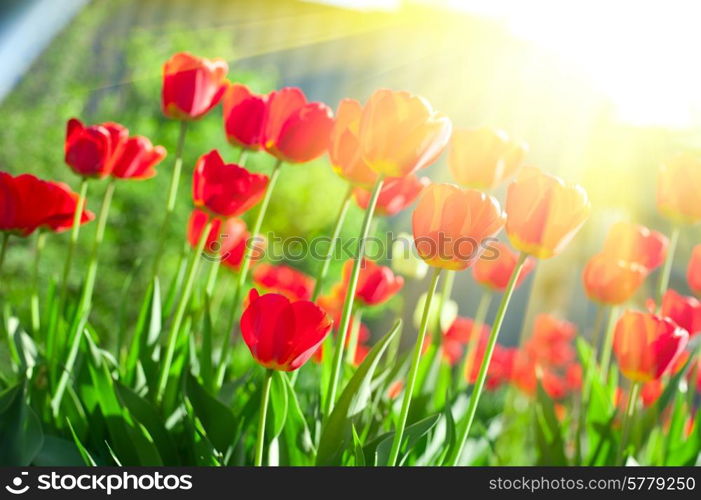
pixel 237 355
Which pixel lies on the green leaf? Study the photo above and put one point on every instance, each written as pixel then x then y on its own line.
pixel 21 435
pixel 146 415
pixel 218 421
pixel 358 450
pixel 412 436
pixel 58 452
pixel 337 433
pixel 87 458
pixel 146 333
pixel 206 371
pixel 278 405
pixel 549 442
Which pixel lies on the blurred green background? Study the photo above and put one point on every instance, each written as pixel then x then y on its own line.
pixel 105 66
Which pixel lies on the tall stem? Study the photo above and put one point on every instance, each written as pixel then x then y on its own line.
pixel 469 417
pixel 471 348
pixel 39 245
pixel 75 231
pixel 627 420
pixel 354 333
pixel 83 310
pixel 446 291
pixel 337 362
pixel 663 283
pixel 243 272
pixel 324 269
pixel 243 156
pixel 413 370
pixel 172 197
pixel 608 344
pixel 212 276
pixel 171 342
pixel 3 248
pixel 262 416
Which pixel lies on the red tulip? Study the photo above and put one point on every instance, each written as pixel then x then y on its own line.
pixel 294 130
pixel 224 234
pixel 693 272
pixel 550 343
pixel 282 334
pixel 244 113
pixel 29 203
pixel 635 243
pixel 544 213
pixel 137 159
pixel 92 151
pixel 344 147
pixel 554 385
pixel 192 86
pixel 499 368
pixel 396 194
pixel 651 392
pixel 236 247
pixel 573 376
pixel 609 280
pixel 482 158
pixel 451 225
pixel 684 311
pixel 646 345
pixel 462 330
pixel 293 284
pixel 494 273
pixel 400 133
pixel 225 189
pixel 376 284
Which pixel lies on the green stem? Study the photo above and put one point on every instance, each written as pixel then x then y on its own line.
pixel 353 340
pixel 337 362
pixel 262 416
pixel 39 245
pixel 75 231
pixel 663 283
pixel 172 197
pixel 608 344
pixel 243 272
pixel 243 156
pixel 3 248
pixel 471 348
pixel 469 417
pixel 171 342
pixel 324 269
pixel 446 291
pixel 627 421
pixel 83 310
pixel 212 276
pixel 586 389
pixel 413 370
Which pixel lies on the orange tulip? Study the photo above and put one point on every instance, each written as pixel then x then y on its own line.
pixel 677 188
pixel 344 147
pixel 494 273
pixel 192 85
pixel 482 158
pixel 646 345
pixel 609 280
pixel 400 133
pixel 544 213
pixel 451 225
pixel 693 272
pixel 636 243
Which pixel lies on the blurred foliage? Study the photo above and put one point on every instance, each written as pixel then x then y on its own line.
pixel 96 72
